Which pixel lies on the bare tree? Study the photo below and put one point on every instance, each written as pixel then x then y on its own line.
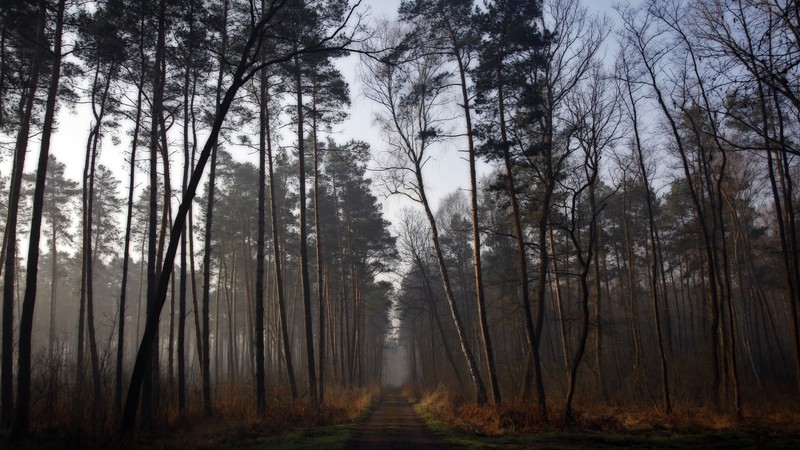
pixel 450 25
pixel 410 86
pixel 629 92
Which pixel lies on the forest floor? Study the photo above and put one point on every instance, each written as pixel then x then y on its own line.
pixel 473 427
pixel 583 439
pixel 391 424
pixel 394 423
pixel 392 420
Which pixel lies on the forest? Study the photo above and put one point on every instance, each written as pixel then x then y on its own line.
pixel 626 248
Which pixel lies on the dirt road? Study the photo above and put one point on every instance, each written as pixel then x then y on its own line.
pixel 394 425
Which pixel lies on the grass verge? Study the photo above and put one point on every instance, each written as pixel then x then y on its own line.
pixel 577 439
pixel 332 437
pixel 445 419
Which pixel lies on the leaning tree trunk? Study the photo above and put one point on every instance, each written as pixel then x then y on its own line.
pixel 472 367
pixel 476 236
pixel 245 69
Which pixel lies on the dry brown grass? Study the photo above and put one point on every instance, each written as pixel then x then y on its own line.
pixel 779 415
pixel 235 419
pixel 79 422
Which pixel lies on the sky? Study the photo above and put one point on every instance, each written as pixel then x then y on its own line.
pixel 449 171
pixel 446 173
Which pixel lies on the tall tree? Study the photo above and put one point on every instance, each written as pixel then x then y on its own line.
pixel 137 23
pixel 103 51
pixel 335 37
pixel 631 100
pixel 22 413
pixel 329 95
pixel 760 38
pixel 365 248
pixel 304 281
pixel 409 86
pixel 450 22
pixel 58 211
pixel 192 36
pixel 308 20
pixel 595 125
pixel 263 136
pixel 639 26
pixel 206 352
pixel 511 29
pixel 276 248
pixel 37 16
pixel 156 111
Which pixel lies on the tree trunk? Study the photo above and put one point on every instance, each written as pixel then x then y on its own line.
pixel 22 413
pixel 522 260
pixel 52 378
pixel 585 264
pixel 261 402
pixel 243 71
pixel 10 260
pixel 279 285
pixel 304 277
pixel 88 198
pixel 655 248
pixel 188 100
pixel 476 237
pixel 126 255
pixel 318 247
pixel 477 381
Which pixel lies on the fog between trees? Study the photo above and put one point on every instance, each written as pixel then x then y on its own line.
pixel 635 241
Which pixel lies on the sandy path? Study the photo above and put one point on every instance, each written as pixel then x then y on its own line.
pixel 394 425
